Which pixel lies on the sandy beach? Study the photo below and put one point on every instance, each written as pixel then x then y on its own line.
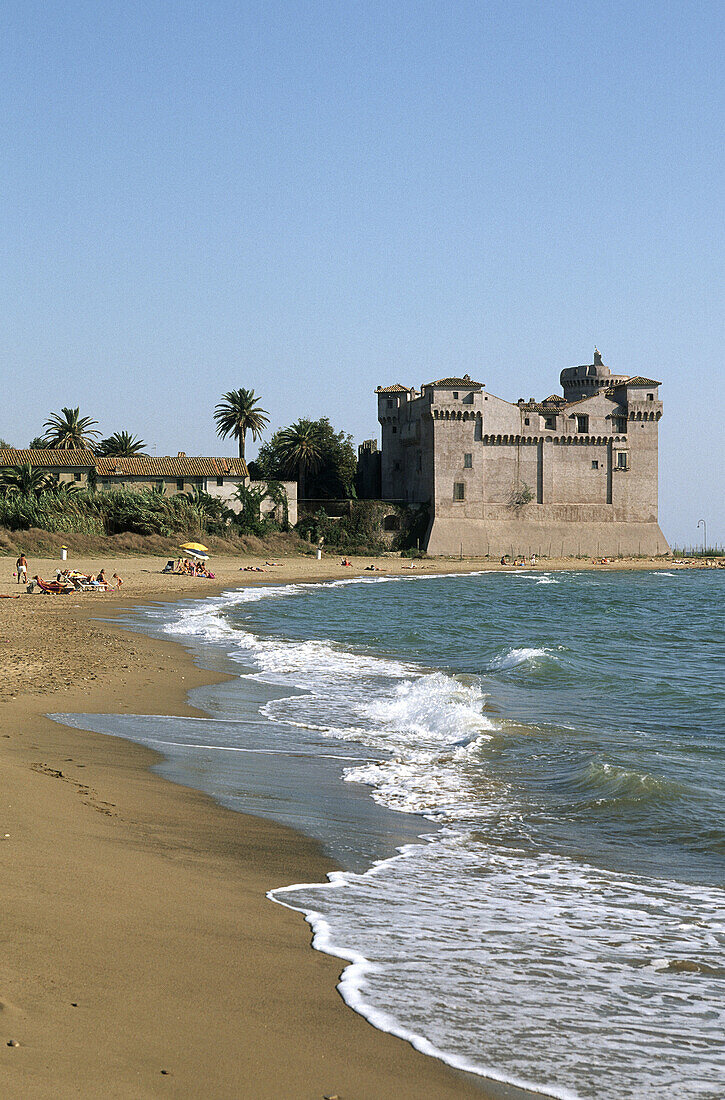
pixel 141 956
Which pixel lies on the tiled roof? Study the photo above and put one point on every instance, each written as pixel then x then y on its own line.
pixel 554 399
pixel 397 388
pixel 9 456
pixel 639 381
pixel 138 465
pixel 456 383
pixel 169 466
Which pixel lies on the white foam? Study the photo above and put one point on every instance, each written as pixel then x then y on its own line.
pixel 518 656
pixel 543 948
pixel 548 970
pixel 356 976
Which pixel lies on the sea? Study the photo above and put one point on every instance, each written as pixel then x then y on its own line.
pixel 519 780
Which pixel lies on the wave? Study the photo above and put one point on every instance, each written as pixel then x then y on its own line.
pixel 355 978
pixel 475 919
pixel 522 655
pixel 538 578
pixel 502 927
pixel 422 724
pixel 609 782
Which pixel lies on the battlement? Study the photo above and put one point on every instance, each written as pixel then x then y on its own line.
pixel 588 456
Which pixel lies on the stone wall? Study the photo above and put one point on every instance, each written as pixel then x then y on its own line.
pixel 546 536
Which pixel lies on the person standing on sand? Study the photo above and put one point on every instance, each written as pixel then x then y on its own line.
pixel 21 568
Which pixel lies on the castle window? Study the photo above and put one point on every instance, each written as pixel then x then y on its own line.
pixel 395 431
pixel 650 397
pixel 180 484
pixel 77 477
pixel 526 421
pixel 582 424
pixel 220 481
pixel 459 490
pixel 389 403
pixel 622 460
pixel 468 462
pixel 595 464
pixel 550 423
pixel 455 395
pixel 620 424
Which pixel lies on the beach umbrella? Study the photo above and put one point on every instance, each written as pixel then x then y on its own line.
pixel 195 554
pixel 197 546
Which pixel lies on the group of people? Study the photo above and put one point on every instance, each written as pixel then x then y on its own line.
pixel 70 578
pixel 188 567
pixel 75 579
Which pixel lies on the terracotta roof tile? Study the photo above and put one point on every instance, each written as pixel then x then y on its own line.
pixel 456 383
pixel 10 456
pixel 639 381
pixel 136 466
pixel 396 388
pixel 169 466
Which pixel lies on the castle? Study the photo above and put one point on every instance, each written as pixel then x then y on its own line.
pixel 571 475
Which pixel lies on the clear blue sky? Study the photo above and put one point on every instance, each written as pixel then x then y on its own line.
pixel 311 199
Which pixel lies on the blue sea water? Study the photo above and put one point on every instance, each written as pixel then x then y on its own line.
pixel 557 743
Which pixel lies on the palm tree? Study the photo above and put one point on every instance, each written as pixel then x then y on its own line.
pixel 121 445
pixel 238 414
pixel 24 479
pixel 300 448
pixel 69 431
pixel 64 489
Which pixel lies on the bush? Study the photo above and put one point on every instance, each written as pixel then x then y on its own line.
pixel 360 531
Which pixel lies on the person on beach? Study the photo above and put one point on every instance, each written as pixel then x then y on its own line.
pixel 117 579
pixel 21 569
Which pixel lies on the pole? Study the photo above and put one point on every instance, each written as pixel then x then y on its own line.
pixel 704 534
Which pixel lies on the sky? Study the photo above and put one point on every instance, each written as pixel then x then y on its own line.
pixel 313 199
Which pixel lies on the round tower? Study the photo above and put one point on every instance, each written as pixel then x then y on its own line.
pixel 589 379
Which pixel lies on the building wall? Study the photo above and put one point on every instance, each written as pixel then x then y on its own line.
pixel 589 467
pixel 141 483
pixel 268 505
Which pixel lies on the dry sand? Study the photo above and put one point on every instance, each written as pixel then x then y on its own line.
pixel 141 957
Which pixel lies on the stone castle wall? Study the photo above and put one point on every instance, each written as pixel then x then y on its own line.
pixel 557 477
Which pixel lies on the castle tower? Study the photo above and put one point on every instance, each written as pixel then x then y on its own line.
pixel 589 379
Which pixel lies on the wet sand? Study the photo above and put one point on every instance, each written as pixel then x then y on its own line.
pixel 141 957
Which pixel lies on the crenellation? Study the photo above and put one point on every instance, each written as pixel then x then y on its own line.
pixel 570 470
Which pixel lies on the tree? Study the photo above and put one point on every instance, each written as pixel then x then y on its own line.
pixel 121 444
pixel 24 479
pixel 4 445
pixel 70 431
pixel 300 449
pixel 322 459
pixel 238 414
pixel 37 444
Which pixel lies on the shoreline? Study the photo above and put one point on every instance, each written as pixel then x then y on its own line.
pixel 208 982
pixel 184 979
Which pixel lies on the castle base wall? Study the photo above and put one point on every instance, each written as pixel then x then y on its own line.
pixel 515 537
